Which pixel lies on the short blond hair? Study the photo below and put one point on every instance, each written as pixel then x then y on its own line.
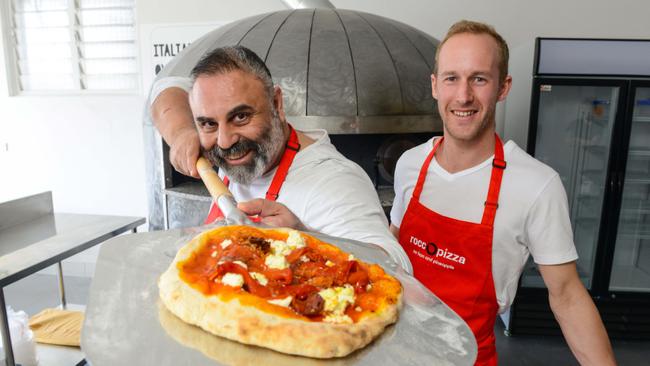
pixel 468 26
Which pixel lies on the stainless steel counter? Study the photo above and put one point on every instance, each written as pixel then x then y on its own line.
pixel 126 324
pixel 33 237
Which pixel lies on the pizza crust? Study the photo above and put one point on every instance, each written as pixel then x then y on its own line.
pixel 228 352
pixel 253 326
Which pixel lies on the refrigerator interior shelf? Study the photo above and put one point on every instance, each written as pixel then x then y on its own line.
pixel 641 119
pixel 636 211
pixel 636 179
pixel 629 278
pixel 640 153
pixel 634 235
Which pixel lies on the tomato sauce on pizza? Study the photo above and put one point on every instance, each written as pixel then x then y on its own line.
pixel 288 274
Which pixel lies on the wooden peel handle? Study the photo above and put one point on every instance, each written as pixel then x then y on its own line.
pixel 211 179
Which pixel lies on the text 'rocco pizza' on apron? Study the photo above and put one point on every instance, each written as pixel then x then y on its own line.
pixel 290 151
pixel 453 258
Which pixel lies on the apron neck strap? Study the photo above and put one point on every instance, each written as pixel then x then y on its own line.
pixel 290 151
pixel 498 166
pixel 423 171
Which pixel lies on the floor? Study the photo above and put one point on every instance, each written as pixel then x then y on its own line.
pixel 39 291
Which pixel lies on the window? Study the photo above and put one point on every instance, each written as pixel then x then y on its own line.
pixel 80 45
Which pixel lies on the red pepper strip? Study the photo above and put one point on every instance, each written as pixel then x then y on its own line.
pixel 296 254
pixel 253 286
pixel 283 276
pixel 359 280
pixel 343 270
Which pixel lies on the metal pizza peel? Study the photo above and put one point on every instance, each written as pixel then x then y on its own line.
pixel 125 322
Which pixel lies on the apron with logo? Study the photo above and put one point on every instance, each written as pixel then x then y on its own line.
pixel 453 258
pixel 290 151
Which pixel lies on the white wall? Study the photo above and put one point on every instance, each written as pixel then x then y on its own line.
pixel 88 149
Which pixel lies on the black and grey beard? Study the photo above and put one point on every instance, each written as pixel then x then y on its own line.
pixel 270 143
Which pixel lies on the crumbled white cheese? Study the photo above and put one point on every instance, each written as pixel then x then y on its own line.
pixel 295 240
pixel 242 264
pixel 338 319
pixel 226 243
pixel 232 279
pixel 304 258
pixel 350 257
pixel 214 254
pixel 337 299
pixel 358 309
pixel 276 261
pixel 260 278
pixel 279 247
pixel 329 263
pixel 282 302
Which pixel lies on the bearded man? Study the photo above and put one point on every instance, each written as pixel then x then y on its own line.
pixel 239 125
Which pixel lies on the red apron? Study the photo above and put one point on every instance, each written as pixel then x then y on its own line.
pixel 273 192
pixel 453 258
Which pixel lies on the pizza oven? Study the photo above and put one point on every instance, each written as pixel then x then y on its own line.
pixel 363 78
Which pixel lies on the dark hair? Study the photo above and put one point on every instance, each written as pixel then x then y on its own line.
pixel 226 59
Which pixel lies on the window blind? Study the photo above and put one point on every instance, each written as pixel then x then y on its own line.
pixel 74 44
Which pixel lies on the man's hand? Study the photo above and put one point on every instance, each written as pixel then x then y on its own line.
pixel 184 151
pixel 172 117
pixel 271 213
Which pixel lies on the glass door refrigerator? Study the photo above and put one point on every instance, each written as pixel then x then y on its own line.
pixel 590 121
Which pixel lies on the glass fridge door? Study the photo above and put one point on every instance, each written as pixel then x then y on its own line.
pixel 573 136
pixel 631 264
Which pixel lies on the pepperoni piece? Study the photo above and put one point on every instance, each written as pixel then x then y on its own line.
pixel 283 276
pixel 359 280
pixel 296 254
pixel 236 252
pixel 312 305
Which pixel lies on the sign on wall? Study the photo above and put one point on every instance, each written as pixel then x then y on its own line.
pixel 162 42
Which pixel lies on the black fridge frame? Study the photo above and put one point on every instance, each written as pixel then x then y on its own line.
pixel 613 305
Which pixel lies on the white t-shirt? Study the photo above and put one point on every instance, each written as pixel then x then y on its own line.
pixel 532 217
pixel 330 194
pixel 161 84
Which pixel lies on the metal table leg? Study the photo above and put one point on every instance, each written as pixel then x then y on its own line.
pixel 4 327
pixel 61 286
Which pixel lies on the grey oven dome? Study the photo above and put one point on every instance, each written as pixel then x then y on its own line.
pixel 341 70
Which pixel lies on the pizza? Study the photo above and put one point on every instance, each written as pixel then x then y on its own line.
pixel 280 289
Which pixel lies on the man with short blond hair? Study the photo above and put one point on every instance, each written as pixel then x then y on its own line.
pixel 469 210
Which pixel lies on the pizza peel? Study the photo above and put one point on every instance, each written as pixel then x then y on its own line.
pixel 125 322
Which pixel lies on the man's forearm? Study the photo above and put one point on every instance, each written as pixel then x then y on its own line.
pixel 582 327
pixel 171 113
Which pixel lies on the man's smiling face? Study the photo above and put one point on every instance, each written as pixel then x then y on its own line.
pixel 239 128
pixel 467 85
